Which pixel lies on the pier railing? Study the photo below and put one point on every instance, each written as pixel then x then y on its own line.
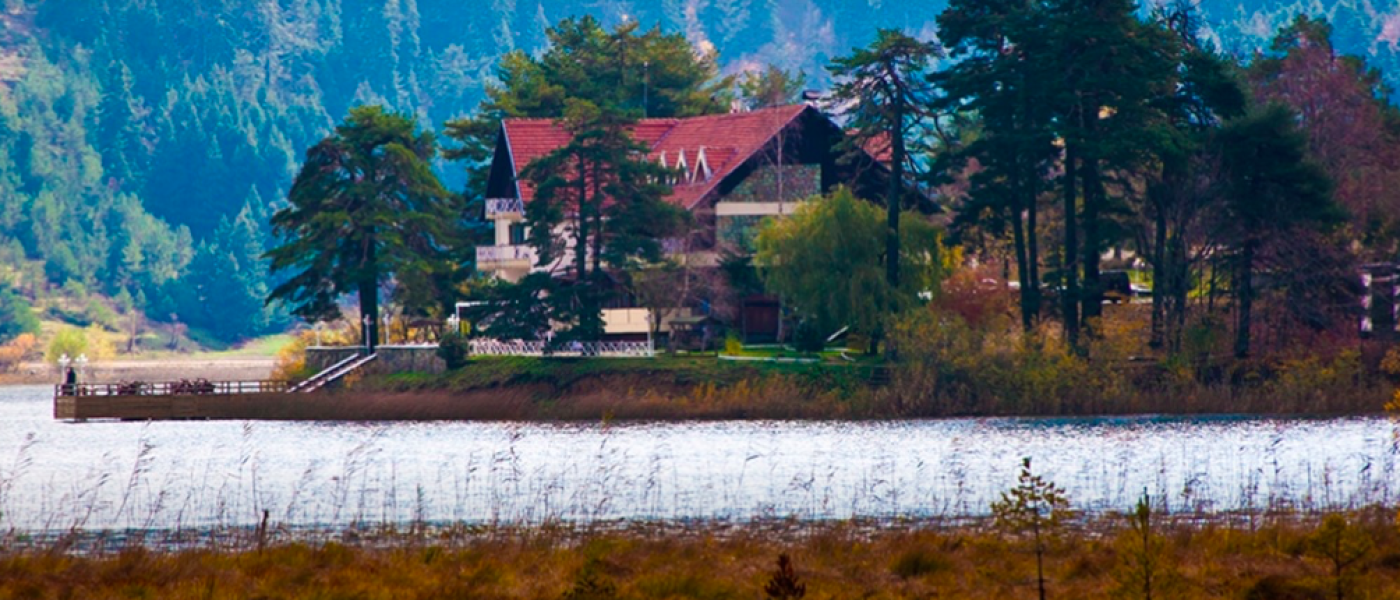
pixel 169 388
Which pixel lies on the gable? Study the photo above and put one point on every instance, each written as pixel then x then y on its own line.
pixel 727 142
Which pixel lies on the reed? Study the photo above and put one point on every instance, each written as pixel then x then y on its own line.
pixel 826 560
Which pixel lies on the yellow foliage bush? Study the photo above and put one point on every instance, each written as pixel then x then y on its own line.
pixel 99 343
pixel 1304 383
pixel 1390 365
pixel 13 353
pixel 68 341
pixel 291 359
pixel 949 367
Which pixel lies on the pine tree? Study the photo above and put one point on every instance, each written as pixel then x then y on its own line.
pixel 886 85
pixel 365 204
pixel 611 200
pixel 644 74
pixel 998 79
pixel 1271 188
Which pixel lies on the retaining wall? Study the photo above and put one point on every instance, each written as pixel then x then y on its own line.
pixel 392 359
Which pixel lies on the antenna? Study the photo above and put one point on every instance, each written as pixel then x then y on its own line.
pixel 646 85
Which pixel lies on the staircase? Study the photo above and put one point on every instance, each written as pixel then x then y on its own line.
pixel 332 374
pixel 879 376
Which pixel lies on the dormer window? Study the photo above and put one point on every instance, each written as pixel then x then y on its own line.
pixel 683 167
pixel 702 167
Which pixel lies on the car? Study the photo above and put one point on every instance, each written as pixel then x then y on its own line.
pixel 1117 286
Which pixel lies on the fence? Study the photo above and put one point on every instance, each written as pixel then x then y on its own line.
pixel 170 388
pixel 584 349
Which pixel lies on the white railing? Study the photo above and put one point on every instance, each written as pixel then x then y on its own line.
pixel 504 207
pixel 673 245
pixel 483 347
pixel 500 254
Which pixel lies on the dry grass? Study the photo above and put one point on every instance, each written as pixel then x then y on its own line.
pixel 889 560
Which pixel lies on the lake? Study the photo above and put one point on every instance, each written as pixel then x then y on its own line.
pixel 172 475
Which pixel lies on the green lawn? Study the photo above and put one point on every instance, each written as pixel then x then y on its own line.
pixel 497 371
pixel 263 347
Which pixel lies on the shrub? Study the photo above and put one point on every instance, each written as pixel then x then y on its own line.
pixel 732 345
pixel 590 585
pixel 949 367
pixel 784 585
pixel 99 343
pixel 809 338
pixel 98 312
pixel 919 562
pixel 1342 545
pixel 1279 587
pixel 13 353
pixel 291 359
pixel 1036 505
pixel 976 297
pixel 454 350
pixel 69 341
pixel 16 317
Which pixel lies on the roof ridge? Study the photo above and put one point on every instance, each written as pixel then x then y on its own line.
pixel 639 121
pixel 742 155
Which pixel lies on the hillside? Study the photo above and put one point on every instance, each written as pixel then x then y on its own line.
pixel 143 143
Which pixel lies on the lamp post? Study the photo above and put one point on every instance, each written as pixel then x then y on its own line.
pixel 82 362
pixel 63 362
pixel 317 327
pixel 388 320
pixel 364 331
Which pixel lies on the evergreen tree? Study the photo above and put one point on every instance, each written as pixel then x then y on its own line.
pixel 1110 70
pixel 641 74
pixel 365 204
pixel 1272 190
pixel 1180 192
pixel 612 200
pixel 887 88
pixel 770 87
pixel 1000 79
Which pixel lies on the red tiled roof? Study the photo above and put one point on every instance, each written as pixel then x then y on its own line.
pixel 729 140
pixel 878 147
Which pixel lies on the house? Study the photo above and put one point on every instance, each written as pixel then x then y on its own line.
pixel 733 171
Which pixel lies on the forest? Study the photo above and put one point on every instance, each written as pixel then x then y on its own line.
pixel 144 144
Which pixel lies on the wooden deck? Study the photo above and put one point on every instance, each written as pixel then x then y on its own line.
pixel 160 401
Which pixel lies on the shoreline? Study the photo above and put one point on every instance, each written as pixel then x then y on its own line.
pixel 699 389
pixel 524 404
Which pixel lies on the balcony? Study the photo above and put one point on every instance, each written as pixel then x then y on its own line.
pixel 504 208
pixel 494 258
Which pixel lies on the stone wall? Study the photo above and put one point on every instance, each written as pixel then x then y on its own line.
pixel 392 359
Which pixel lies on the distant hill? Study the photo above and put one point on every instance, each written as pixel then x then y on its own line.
pixel 131 131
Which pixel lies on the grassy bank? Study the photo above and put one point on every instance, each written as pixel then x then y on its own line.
pixel 661 388
pixel 1286 558
pixel 1011 384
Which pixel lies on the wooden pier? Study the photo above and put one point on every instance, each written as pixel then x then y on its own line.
pixel 160 400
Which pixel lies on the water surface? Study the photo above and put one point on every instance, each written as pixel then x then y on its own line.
pixel 116 475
